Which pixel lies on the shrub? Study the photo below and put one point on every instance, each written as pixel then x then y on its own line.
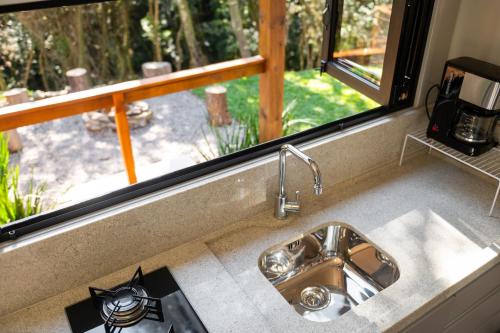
pixel 232 138
pixel 14 204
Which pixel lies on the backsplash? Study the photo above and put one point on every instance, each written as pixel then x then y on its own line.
pixel 107 241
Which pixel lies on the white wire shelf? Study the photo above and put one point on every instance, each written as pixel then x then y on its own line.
pixel 487 163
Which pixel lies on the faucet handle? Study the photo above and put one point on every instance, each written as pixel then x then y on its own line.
pixel 293 206
pixel 297 197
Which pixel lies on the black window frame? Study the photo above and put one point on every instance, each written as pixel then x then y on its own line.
pixel 416 21
pixel 15 6
pixel 406 39
pixel 332 21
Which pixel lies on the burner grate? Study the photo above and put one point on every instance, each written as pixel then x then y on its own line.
pixel 126 305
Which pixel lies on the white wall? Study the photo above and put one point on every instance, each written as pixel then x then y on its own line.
pixel 441 31
pixel 459 28
pixel 477 31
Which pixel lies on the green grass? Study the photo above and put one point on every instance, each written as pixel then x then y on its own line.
pixel 317 99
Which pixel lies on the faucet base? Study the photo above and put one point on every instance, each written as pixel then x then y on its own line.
pixel 283 207
pixel 279 209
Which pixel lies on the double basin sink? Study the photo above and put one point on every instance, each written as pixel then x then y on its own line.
pixel 325 272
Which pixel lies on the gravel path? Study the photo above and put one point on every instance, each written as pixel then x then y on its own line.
pixel 65 155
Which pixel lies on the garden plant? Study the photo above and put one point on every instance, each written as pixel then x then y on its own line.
pixel 14 204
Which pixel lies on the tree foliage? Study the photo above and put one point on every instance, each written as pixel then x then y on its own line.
pixel 112 39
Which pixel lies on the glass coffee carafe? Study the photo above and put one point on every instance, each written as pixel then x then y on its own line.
pixel 474 128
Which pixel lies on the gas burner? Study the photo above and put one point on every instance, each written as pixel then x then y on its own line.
pixel 126 305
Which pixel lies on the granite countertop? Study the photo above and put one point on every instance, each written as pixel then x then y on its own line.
pixel 429 215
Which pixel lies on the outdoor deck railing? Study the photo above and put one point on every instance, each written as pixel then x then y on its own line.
pixel 270 64
pixel 120 94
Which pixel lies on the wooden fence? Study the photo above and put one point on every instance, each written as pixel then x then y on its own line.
pixel 270 64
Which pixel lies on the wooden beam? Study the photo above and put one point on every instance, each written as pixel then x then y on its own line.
pixel 52 108
pixel 123 131
pixel 191 78
pixel 271 88
pixel 100 98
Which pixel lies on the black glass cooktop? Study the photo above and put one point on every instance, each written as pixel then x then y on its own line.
pixel 150 303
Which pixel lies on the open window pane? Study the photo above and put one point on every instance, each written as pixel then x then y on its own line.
pixel 361 43
pixel 362 37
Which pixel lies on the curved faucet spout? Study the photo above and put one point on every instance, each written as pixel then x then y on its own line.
pixel 318 187
pixel 282 206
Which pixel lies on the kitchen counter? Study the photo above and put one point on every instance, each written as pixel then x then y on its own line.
pixel 429 215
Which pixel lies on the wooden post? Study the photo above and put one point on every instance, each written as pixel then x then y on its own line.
pixel 217 105
pixel 123 131
pixel 15 96
pixel 272 47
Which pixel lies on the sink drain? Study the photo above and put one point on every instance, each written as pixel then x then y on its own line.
pixel 315 297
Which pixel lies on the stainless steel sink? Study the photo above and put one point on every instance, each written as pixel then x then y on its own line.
pixel 327 271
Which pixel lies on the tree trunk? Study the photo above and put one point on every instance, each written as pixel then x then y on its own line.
pixel 15 96
pixel 126 49
pixel 237 26
pixel 155 18
pixel 3 84
pixel 304 47
pixel 310 61
pixel 180 57
pixel 197 57
pixel 27 69
pixel 41 68
pixel 80 40
pixel 253 11
pixel 340 5
pixel 104 40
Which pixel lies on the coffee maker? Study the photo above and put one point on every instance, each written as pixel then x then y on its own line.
pixel 466 110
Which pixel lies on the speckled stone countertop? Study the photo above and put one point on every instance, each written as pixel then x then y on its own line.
pixel 429 215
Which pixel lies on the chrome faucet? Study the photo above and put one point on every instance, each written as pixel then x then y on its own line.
pixel 282 205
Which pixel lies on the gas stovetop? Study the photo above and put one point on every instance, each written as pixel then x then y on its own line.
pixel 147 303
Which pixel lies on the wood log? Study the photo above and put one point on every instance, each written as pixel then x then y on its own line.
pixel 78 79
pixel 15 96
pixel 156 68
pixel 217 105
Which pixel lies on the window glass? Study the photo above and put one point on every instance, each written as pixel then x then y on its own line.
pixel 361 37
pixel 59 51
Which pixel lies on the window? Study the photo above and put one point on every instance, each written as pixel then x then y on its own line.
pixel 371 48
pixel 364 39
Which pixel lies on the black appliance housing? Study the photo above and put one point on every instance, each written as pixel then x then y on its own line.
pixel 468 87
pixel 165 308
